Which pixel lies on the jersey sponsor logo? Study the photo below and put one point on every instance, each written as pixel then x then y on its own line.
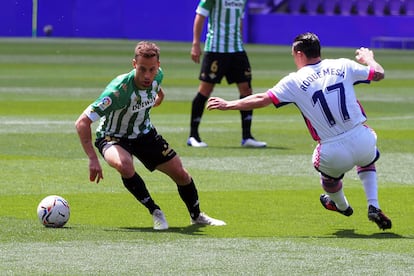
pixel 143 105
pixel 105 103
pixel 233 4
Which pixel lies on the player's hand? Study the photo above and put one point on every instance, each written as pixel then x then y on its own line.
pixel 216 103
pixel 159 98
pixel 95 171
pixel 196 53
pixel 363 55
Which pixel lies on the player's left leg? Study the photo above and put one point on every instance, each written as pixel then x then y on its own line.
pixel 156 154
pixel 246 119
pixel 239 72
pixel 187 191
pixel 197 109
pixel 368 177
pixel 369 154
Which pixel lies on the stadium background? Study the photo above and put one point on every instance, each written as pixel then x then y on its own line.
pixel 350 23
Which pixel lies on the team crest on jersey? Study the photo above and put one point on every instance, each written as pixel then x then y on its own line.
pixel 105 103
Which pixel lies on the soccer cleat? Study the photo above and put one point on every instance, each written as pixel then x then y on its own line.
pixel 203 219
pixel 329 204
pixel 377 216
pixel 192 142
pixel 252 143
pixel 160 223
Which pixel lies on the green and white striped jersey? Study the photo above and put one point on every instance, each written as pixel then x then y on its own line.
pixel 124 110
pixel 225 18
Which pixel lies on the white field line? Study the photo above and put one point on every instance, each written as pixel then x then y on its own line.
pixel 388 169
pixel 36 126
pixel 197 256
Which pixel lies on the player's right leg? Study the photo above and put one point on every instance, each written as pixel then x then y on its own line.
pixel 332 160
pixel 334 198
pixel 118 157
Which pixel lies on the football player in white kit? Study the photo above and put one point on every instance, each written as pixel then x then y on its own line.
pixel 323 90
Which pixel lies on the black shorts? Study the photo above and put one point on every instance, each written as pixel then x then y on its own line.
pixel 151 149
pixel 234 66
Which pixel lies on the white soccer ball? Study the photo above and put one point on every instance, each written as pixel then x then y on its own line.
pixel 48 30
pixel 53 211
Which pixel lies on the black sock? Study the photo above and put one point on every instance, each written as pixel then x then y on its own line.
pixel 136 186
pixel 189 195
pixel 246 122
pixel 197 110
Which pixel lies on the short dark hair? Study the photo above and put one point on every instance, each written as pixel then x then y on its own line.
pixel 147 49
pixel 309 44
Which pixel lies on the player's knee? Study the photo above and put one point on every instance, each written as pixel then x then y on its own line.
pixel 124 168
pixel 331 185
pixel 369 168
pixel 182 177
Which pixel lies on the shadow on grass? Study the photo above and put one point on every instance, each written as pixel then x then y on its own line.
pixel 189 230
pixel 350 233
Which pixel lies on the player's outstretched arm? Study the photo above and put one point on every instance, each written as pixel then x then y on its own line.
pixel 366 56
pixel 251 102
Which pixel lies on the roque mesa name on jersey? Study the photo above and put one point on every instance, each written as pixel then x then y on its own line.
pixel 321 74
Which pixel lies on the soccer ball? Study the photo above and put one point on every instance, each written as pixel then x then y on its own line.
pixel 53 211
pixel 48 30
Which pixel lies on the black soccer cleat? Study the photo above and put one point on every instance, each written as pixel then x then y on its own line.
pixel 377 216
pixel 329 204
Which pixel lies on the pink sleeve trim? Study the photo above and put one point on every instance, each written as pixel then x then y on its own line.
pixel 272 96
pixel 371 73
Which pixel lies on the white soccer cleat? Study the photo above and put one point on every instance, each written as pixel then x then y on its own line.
pixel 252 143
pixel 192 142
pixel 160 223
pixel 203 219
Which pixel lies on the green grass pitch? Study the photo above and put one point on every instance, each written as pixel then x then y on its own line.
pixel 268 197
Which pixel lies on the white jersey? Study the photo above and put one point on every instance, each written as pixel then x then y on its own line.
pixel 324 93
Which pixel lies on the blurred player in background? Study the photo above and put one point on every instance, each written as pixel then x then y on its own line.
pixel 324 93
pixel 125 130
pixel 224 56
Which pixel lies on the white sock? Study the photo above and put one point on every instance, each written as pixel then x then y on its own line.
pixel 369 180
pixel 339 199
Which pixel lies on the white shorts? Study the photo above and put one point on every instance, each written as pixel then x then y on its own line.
pixel 340 154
